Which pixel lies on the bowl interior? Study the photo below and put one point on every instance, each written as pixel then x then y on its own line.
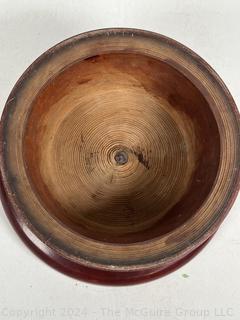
pixel 121 147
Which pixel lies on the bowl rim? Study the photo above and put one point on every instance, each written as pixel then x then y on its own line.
pixel 11 204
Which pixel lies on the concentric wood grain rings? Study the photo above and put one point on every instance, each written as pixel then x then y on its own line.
pixel 119 155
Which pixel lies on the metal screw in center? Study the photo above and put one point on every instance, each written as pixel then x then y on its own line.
pixel 121 157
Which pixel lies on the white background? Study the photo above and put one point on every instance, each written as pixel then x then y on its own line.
pixel 208 285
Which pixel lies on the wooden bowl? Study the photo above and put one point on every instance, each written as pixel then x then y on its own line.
pixel 119 155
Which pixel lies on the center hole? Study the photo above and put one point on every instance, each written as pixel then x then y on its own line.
pixel 121 157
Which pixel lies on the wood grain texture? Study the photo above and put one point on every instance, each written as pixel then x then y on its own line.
pixel 119 154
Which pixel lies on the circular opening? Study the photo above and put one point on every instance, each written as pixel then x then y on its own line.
pixel 121 148
pixel 121 157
